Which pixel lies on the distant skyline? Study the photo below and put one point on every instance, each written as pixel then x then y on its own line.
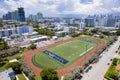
pixel 61 7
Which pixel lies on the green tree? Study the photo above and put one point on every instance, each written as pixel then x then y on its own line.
pixel 27 70
pixel 118 32
pixel 107 33
pixel 3 61
pixel 94 31
pixel 75 25
pixel 45 32
pixel 49 74
pixel 115 61
pixel 1 25
pixel 50 33
pixel 75 34
pixel 15 66
pixel 32 46
pixel 3 44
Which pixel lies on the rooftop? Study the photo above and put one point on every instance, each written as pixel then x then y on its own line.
pixel 7 74
pixel 118 67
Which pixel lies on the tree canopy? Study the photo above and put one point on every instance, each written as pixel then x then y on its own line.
pixel 107 33
pixel 118 32
pixel 32 46
pixel 1 25
pixel 15 66
pixel 45 32
pixel 3 44
pixel 49 74
pixel 94 31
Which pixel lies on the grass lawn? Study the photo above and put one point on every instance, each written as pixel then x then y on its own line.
pixel 71 51
pixel 118 61
pixel 38 78
pixel 18 55
pixel 21 77
pixel 26 49
pixel 3 67
pixel 105 39
pixel 111 73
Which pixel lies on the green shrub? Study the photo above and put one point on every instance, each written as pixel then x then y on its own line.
pixel 112 74
pixel 27 70
pixel 75 34
pixel 49 74
pixel 15 66
pixel 69 77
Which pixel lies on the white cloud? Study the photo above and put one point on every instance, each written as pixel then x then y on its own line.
pixel 93 8
pixel 11 3
pixel 3 10
pixel 116 9
pixel 55 7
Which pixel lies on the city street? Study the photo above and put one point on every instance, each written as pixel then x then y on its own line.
pixel 99 69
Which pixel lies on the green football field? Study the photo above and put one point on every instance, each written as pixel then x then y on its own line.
pixel 71 51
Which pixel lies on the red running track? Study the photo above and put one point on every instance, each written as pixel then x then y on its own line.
pixel 28 57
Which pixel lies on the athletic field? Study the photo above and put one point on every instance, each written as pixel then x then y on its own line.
pixel 71 51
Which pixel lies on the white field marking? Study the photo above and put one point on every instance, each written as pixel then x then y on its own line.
pixel 62 77
pixel 86 51
pixel 63 44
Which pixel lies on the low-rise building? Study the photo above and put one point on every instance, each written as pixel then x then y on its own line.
pixel 70 29
pixel 60 26
pixel 102 28
pixel 38 38
pixel 12 30
pixel 7 74
pixel 60 33
pixel 42 26
pixel 13 60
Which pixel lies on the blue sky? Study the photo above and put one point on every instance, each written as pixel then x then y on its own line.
pixel 58 7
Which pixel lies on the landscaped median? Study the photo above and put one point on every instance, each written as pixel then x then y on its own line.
pixel 21 77
pixel 112 73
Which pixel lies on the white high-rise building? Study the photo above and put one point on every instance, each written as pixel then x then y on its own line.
pixel 70 29
pixel 81 25
pixel 39 16
pixel 117 24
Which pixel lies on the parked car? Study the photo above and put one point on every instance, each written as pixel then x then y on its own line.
pixel 90 67
pixel 79 77
pixel 108 63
